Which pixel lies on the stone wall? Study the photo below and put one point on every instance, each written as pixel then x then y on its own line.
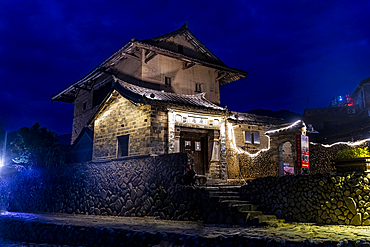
pixel 321 198
pixel 159 130
pixel 122 117
pixel 239 130
pixel 145 186
pixel 248 167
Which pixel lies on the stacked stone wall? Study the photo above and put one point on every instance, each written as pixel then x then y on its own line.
pixel 248 167
pixel 321 198
pixel 147 186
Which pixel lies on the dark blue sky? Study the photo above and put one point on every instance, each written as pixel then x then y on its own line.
pixel 291 49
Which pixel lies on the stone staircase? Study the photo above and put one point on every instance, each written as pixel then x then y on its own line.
pixel 229 199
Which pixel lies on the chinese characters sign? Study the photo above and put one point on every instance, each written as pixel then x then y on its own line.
pixel 302 151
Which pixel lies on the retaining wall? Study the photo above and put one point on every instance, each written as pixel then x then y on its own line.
pixel 321 198
pixel 146 186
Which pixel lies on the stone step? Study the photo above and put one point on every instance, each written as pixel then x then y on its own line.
pixel 229 188
pixel 251 214
pixel 273 223
pixel 245 207
pixel 223 198
pixel 211 188
pixel 223 193
pixel 259 219
pixel 229 203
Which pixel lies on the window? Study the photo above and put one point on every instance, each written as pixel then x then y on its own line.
pixel 248 137
pixel 256 137
pixel 252 137
pixel 180 49
pixel 84 105
pixel 198 146
pixel 167 81
pixel 123 145
pixel 198 87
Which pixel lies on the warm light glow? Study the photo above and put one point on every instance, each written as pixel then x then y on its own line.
pixel 352 144
pixel 285 128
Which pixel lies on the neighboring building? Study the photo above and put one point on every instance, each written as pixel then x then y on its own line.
pixel 159 96
pixel 346 119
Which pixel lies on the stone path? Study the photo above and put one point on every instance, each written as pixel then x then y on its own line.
pixel 294 233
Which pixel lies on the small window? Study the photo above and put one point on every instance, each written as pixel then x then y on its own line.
pixel 123 145
pixel 84 105
pixel 167 81
pixel 180 49
pixel 252 137
pixel 248 137
pixel 256 138
pixel 198 146
pixel 198 87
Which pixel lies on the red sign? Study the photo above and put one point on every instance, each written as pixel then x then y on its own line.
pixel 302 151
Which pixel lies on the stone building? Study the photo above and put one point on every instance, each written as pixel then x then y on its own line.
pixel 159 96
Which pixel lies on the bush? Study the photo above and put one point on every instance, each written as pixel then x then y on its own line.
pixel 352 153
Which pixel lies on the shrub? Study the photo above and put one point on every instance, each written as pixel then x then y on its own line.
pixel 352 153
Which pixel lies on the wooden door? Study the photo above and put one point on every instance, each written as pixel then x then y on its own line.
pixel 195 145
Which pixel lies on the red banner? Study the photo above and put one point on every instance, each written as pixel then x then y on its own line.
pixel 302 151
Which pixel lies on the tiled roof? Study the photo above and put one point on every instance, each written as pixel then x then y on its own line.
pixel 139 94
pixel 70 93
pixel 255 119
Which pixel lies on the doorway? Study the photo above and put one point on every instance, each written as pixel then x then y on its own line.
pixel 286 159
pixel 195 144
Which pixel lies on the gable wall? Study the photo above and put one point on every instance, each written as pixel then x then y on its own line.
pixel 122 117
pixel 130 66
pixel 183 81
pixel 189 50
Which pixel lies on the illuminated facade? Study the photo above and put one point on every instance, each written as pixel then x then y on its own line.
pixel 159 96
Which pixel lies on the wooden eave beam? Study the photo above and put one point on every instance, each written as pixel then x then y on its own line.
pixel 187 65
pixel 221 75
pixel 130 55
pixel 83 88
pixel 67 98
pixel 150 56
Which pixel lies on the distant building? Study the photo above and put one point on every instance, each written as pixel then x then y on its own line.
pixel 159 96
pixel 346 119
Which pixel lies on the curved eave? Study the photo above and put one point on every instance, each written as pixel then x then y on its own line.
pixel 69 94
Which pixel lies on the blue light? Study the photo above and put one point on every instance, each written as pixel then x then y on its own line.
pixel 340 98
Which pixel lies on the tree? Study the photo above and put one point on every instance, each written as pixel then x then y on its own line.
pixel 37 147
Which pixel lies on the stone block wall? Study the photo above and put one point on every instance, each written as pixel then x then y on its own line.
pixel 322 198
pixel 159 130
pixel 147 186
pixel 122 117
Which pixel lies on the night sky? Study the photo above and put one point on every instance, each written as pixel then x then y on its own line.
pixel 291 49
